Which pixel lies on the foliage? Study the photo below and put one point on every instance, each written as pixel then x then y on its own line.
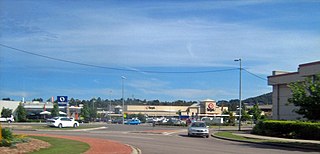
pixel 37 99
pixel 6 99
pixel 262 99
pixel 288 129
pixel 6 133
pixel 245 116
pixel 85 114
pixel 6 112
pixel 255 112
pixel 306 95
pixel 231 119
pixel 140 116
pixel 21 114
pixel 55 110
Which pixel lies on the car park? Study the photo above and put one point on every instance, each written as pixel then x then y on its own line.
pixel 62 122
pixel 198 128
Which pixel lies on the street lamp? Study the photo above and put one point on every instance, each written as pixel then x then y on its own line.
pixel 240 69
pixel 123 78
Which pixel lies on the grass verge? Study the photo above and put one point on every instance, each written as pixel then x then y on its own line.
pixel 230 135
pixel 59 145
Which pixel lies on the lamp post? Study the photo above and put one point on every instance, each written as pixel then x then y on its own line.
pixel 123 78
pixel 240 69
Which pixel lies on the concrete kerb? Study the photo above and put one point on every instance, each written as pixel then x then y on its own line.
pixel 73 130
pixel 266 143
pixel 135 150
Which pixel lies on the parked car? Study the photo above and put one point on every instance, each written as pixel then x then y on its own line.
pixel 7 119
pixel 198 128
pixel 116 121
pixel 133 122
pixel 62 122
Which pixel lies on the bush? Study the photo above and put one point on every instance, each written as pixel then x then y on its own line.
pixel 6 134
pixel 288 129
pixel 10 140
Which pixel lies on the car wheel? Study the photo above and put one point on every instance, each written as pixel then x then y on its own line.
pixel 189 135
pixel 75 125
pixel 207 136
pixel 9 121
pixel 60 125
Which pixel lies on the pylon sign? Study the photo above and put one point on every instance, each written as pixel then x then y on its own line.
pixel 62 100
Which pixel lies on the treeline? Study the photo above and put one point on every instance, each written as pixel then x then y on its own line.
pixel 101 103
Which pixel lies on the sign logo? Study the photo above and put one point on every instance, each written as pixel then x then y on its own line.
pixel 210 107
pixel 62 98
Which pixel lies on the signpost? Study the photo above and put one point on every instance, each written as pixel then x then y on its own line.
pixel 63 101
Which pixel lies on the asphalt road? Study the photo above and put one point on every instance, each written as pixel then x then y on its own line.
pixel 174 141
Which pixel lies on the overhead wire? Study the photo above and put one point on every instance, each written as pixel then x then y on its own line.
pixel 114 68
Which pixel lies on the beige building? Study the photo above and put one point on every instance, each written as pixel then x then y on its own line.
pixel 12 105
pixel 281 92
pixel 205 108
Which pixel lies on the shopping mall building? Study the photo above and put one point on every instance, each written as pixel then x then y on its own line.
pixel 205 108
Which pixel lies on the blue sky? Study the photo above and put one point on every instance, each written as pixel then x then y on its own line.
pixel 141 37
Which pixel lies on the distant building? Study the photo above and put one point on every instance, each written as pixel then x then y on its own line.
pixel 205 108
pixel 281 92
pixel 12 105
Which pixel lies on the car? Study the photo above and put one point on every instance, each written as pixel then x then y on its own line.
pixel 116 121
pixel 198 128
pixel 62 122
pixel 7 119
pixel 133 122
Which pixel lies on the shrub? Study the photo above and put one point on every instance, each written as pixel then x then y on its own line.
pixel 288 129
pixel 6 134
pixel 10 140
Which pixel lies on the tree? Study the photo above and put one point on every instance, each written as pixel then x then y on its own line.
pixel 85 112
pixel 232 119
pixel 55 110
pixel 6 112
pixel 255 112
pixel 21 114
pixel 306 96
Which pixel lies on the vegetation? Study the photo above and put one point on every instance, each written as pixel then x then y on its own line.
pixel 85 113
pixel 59 145
pixel 21 114
pixel 306 96
pixel 8 139
pixel 55 110
pixel 256 113
pixel 6 112
pixel 288 129
pixel 140 116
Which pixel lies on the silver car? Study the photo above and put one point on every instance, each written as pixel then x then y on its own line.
pixel 198 128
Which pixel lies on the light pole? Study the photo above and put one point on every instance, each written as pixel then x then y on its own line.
pixel 240 69
pixel 123 78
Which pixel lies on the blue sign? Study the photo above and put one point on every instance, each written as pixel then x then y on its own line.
pixel 63 99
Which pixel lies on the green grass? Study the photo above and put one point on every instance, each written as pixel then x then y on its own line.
pixel 59 145
pixel 229 135
pixel 236 137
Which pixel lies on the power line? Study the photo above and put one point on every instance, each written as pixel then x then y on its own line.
pixel 114 68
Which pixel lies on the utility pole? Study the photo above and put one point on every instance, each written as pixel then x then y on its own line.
pixel 240 75
pixel 123 78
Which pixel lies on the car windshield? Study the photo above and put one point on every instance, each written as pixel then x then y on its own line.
pixel 198 124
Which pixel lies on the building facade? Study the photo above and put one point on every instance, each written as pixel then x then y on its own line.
pixel 280 80
pixel 205 108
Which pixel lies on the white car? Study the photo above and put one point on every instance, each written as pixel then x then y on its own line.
pixel 62 122
pixel 198 128
pixel 8 119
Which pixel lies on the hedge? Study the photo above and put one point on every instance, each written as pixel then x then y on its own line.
pixel 288 129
